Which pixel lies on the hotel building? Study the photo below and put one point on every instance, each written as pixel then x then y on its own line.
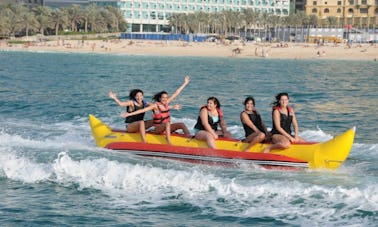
pixel 153 15
pixel 362 13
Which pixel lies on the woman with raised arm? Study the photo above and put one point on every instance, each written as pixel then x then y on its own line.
pixel 161 112
pixel 136 102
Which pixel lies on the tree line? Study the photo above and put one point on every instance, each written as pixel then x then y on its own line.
pixel 227 22
pixel 18 19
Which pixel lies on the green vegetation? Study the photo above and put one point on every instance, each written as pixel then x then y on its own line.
pixel 227 22
pixel 19 20
pixel 17 42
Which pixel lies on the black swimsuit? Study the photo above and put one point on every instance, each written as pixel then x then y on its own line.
pixel 256 120
pixel 285 121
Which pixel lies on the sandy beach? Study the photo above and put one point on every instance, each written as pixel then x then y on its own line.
pixel 235 49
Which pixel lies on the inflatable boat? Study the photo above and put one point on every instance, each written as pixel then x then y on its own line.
pixel 313 155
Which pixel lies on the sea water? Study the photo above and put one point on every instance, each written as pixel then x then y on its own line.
pixel 52 173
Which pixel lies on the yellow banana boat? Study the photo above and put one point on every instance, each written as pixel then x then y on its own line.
pixel 323 155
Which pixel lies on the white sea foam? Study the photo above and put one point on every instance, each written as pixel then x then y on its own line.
pixel 22 168
pixel 236 193
pixel 145 179
pixel 58 135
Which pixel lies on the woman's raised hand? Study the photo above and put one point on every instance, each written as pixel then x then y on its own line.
pixel 177 107
pixel 112 95
pixel 187 79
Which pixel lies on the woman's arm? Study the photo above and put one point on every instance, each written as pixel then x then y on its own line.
pixel 263 124
pixel 295 125
pixel 120 103
pixel 127 114
pixel 223 125
pixel 179 90
pixel 176 107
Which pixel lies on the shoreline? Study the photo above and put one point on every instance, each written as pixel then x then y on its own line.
pixel 236 49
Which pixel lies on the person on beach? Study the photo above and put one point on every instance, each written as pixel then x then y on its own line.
pixel 136 102
pixel 161 112
pixel 209 118
pixel 254 127
pixel 283 118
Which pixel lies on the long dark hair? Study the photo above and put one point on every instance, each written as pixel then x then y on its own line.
pixel 276 103
pixel 216 101
pixel 133 93
pixel 249 98
pixel 157 96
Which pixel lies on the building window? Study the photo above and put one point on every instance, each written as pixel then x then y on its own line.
pixel 363 2
pixel 350 11
pixel 363 10
pixel 376 11
pixel 129 14
pixel 339 3
pixel 351 2
pixel 314 3
pixel 160 16
pixel 338 10
pixel 326 10
pixel 314 10
pixel 145 15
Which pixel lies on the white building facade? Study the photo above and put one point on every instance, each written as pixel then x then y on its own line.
pixel 153 15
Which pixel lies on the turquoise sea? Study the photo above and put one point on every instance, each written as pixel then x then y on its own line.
pixel 52 174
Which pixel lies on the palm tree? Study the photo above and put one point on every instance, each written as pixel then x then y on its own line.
pixel 5 25
pixel 118 22
pixel 264 22
pixel 222 22
pixel 13 15
pixel 74 16
pixel 297 21
pixel 28 21
pixel 59 19
pixel 173 21
pixel 110 20
pixel 177 21
pixel 93 19
pixel 303 22
pixel 331 21
pixel 43 17
pixel 284 24
pixel 192 23
pixel 249 18
pixel 313 20
pixel 274 21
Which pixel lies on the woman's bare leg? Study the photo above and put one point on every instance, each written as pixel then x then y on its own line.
pixel 164 128
pixel 278 142
pixel 206 136
pixel 254 138
pixel 138 126
pixel 182 126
